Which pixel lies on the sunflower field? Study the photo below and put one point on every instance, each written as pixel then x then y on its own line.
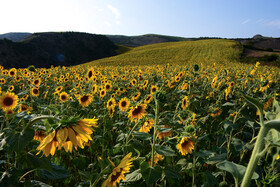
pixel 198 124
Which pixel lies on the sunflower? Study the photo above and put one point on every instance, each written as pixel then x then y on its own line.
pixel 148 99
pixel 185 102
pixel 2 81
pixel 90 74
pixel 108 87
pixel 135 96
pixel 154 88
pixel 111 112
pixel 8 101
pixel 63 96
pixel 37 82
pixel 137 112
pixel 74 135
pixel 164 134
pixel 133 82
pixel 11 88
pixel 102 93
pixel 216 113
pixel 124 104
pixel 145 83
pixel 13 72
pixel 58 89
pixel 111 103
pixel 35 91
pixel 185 146
pixel 24 107
pixel 94 89
pixel 157 158
pixel 146 127
pixel 85 100
pixel 214 81
pixel 118 172
pixel 39 135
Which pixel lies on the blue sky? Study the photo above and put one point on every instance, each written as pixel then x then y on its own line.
pixel 186 18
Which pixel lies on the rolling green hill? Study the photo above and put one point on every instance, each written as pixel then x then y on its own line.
pixel 211 50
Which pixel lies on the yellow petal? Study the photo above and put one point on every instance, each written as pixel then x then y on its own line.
pixel 65 134
pixel 72 136
pixel 46 140
pixel 60 135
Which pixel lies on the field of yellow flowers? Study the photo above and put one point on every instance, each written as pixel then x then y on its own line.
pixel 164 125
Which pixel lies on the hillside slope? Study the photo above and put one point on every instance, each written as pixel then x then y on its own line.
pixel 52 48
pixel 209 51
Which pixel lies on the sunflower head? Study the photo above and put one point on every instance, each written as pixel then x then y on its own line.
pixel 85 100
pixel 124 104
pixel 35 91
pixel 185 102
pixel 148 124
pixel 63 96
pixel 8 101
pixel 119 171
pixel 137 112
pixel 185 146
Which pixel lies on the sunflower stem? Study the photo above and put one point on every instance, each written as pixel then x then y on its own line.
pixel 254 157
pixel 126 141
pixel 39 118
pixel 155 132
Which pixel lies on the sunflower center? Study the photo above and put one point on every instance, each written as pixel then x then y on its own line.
pixel 8 101
pixel 84 98
pixel 136 111
pixel 63 97
pixel 36 82
pixel 153 90
pixel 35 91
pixel 110 103
pixel 115 177
pixel 90 74
pixel 185 144
pixel 184 102
pixel 123 104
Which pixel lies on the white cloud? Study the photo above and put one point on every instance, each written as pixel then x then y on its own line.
pixel 114 10
pixel 274 23
pixel 245 21
pixel 107 23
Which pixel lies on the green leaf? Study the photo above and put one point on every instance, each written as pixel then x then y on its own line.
pixel 214 159
pixel 182 161
pixel 39 183
pixel 163 130
pixel 164 150
pixel 18 141
pixel 229 126
pixel 172 173
pixel 209 180
pixel 35 162
pixel 255 102
pixel 51 108
pixel 57 172
pixel 134 176
pixel 238 171
pixel 149 174
pixel 228 104
pixel 9 177
pixel 275 124
pixel 142 135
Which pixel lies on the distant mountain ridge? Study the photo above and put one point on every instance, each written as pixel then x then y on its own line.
pixel 53 48
pixel 15 36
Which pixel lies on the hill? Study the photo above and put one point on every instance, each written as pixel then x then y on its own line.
pixel 15 36
pixel 52 48
pixel 136 41
pixel 209 51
